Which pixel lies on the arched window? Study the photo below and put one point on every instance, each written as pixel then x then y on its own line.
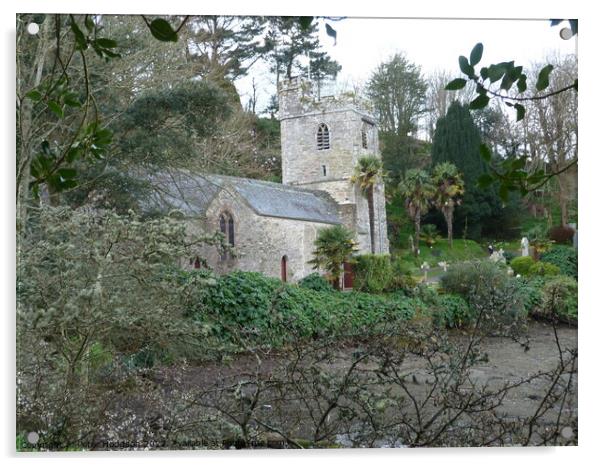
pixel 364 137
pixel 283 268
pixel 323 137
pixel 226 227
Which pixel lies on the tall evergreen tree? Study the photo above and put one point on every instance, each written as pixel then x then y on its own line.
pixel 457 140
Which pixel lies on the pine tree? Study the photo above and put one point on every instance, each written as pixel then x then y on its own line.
pixel 457 140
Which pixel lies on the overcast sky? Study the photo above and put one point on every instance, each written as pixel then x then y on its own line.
pixel 434 44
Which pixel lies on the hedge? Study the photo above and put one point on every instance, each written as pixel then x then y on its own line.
pixel 268 311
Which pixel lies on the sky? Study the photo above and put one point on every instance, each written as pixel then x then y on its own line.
pixel 433 44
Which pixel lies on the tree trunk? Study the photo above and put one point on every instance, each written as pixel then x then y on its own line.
pixel 416 233
pixel 449 217
pixel 562 201
pixel 370 196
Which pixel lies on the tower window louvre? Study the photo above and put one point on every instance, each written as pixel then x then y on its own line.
pixel 323 137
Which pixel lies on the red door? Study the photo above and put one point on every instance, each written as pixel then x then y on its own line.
pixel 347 276
pixel 283 264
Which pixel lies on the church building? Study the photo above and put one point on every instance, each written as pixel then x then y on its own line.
pixel 272 227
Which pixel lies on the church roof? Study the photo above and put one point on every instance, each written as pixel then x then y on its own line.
pixel 192 193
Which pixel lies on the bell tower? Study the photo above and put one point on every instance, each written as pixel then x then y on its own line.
pixel 322 140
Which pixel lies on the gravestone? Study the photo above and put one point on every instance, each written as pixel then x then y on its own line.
pixel 524 244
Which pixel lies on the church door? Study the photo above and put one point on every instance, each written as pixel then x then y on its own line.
pixel 283 264
pixel 347 276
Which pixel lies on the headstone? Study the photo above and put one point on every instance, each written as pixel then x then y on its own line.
pixel 524 244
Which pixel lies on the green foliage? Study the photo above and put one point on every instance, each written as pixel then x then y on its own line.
pixel 333 247
pixel 464 278
pixel 429 234
pixel 456 141
pixel 522 265
pixel 162 30
pixel 543 269
pixel 398 93
pixel 565 258
pixel 560 298
pixel 494 298
pixel 530 290
pixel 316 282
pixel 247 306
pixel 372 272
pixel 453 311
pixel 511 173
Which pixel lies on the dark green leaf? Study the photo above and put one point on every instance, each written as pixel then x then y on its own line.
pixel 80 38
pixel 331 32
pixel 89 23
pixel 163 31
pixel 476 54
pixel 522 83
pixel 106 43
pixel 480 102
pixel 456 84
pixel 56 108
pixel 506 82
pixel 34 95
pixel 504 189
pixel 305 22
pixel 543 80
pixel 574 25
pixel 72 101
pixel 496 72
pixel 484 72
pixel 520 112
pixel 485 180
pixel 465 66
pixel 67 173
pixel 485 152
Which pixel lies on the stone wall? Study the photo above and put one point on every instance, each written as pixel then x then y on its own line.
pixel 260 242
pixel 330 170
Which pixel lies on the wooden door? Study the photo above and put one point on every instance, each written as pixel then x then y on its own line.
pixel 347 276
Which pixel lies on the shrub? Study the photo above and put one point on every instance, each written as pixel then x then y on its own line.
pixel 401 278
pixel 464 278
pixel 530 290
pixel 509 256
pixel 543 269
pixel 453 311
pixel 315 281
pixel 372 272
pixel 561 234
pixel 565 258
pixel 521 265
pixel 264 310
pixel 559 298
pixel 490 293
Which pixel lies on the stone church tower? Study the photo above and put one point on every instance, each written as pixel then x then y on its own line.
pixel 322 140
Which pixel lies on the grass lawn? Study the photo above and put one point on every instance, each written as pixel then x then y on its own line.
pixel 442 252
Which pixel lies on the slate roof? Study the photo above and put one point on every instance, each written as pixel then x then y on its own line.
pixel 192 193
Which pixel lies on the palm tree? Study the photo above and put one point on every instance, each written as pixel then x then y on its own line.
pixel 334 246
pixel 367 173
pixel 449 188
pixel 418 190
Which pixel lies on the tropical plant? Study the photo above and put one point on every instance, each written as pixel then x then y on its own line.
pixel 417 189
pixel 334 246
pixel 449 188
pixel 429 234
pixel 367 174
